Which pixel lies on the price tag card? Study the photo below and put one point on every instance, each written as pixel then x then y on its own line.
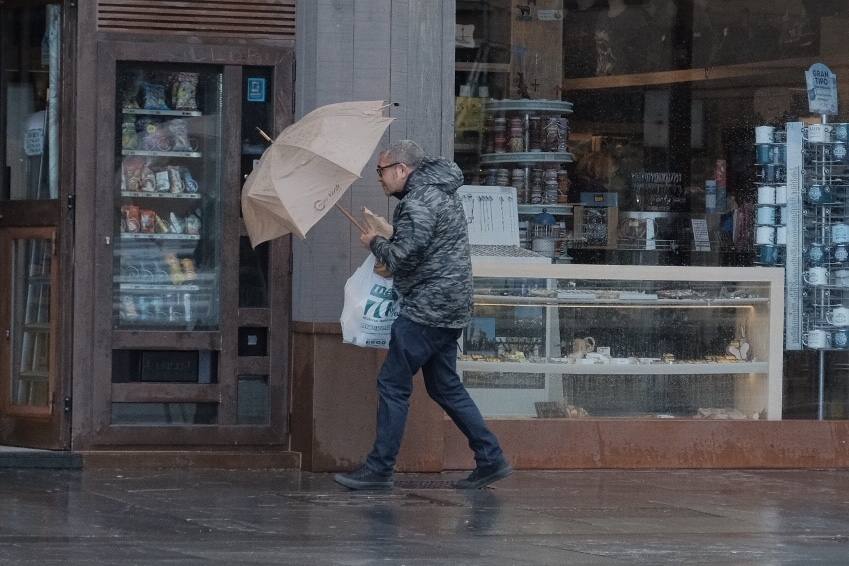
pixel 700 234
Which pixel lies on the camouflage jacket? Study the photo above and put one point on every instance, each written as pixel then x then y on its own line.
pixel 428 254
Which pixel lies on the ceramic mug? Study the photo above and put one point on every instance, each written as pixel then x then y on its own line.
pixel 764 134
pixel 781 194
pixel 840 339
pixel 816 276
pixel 838 316
pixel 766 194
pixel 841 278
pixel 817 253
pixel 767 255
pixel 816 339
pixel 781 235
pixel 773 173
pixel 840 233
pixel 765 235
pixel 766 215
pixel 765 153
pixel 840 253
pixel 818 133
pixel 818 194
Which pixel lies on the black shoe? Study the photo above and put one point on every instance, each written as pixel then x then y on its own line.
pixel 364 478
pixel 482 477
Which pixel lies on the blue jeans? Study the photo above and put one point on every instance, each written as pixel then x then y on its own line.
pixel 413 346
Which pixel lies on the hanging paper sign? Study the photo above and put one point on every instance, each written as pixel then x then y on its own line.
pixel 822 90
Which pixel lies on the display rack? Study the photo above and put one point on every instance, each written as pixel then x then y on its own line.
pixel 819 274
pixel 523 347
pixel 521 161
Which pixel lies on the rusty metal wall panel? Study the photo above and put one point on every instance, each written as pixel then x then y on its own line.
pixel 643 444
pixel 258 19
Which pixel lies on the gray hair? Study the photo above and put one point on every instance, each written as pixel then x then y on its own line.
pixel 407 152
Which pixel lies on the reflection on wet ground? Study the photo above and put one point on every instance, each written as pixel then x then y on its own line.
pixel 194 517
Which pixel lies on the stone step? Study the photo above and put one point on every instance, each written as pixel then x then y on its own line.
pixel 16 457
pixel 212 458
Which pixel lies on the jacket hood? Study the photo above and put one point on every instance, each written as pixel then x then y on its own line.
pixel 436 171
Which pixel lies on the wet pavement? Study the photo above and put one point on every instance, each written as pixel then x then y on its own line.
pixel 198 517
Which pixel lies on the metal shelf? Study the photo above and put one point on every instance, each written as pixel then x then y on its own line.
pixel 527 157
pixel 529 105
pixel 156 287
pixel 706 368
pixel 648 302
pixel 553 209
pixel 146 236
pixel 145 194
pixel 146 153
pixel 151 112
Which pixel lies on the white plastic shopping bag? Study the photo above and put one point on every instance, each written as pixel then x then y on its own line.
pixel 371 306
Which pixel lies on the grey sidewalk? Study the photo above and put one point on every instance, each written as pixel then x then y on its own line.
pixel 203 517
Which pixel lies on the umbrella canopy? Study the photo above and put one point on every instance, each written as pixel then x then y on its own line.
pixel 307 169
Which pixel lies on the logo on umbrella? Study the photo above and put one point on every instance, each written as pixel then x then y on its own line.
pixel 321 204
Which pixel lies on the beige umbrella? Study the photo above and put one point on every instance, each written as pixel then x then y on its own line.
pixel 307 169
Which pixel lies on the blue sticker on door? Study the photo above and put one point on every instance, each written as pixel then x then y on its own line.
pixel 256 89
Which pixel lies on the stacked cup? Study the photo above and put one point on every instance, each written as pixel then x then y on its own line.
pixel 770 233
pixel 764 138
pixel 770 211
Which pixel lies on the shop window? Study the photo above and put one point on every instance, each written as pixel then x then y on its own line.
pixel 167 206
pixel 654 132
pixel 164 366
pixel 164 413
pixel 30 52
pixel 253 400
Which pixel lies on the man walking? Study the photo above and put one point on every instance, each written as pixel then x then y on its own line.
pixel 428 256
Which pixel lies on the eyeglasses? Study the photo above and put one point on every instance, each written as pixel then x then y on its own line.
pixel 380 169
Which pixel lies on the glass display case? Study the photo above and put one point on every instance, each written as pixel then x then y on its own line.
pixel 166 269
pixel 583 341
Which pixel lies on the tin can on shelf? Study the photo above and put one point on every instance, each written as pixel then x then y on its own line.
pixel 536 186
pixel 503 178
pixel 517 135
pixel 563 185
pixel 499 132
pixel 519 181
pixel 534 133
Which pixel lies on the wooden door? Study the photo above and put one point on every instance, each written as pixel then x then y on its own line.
pixel 31 405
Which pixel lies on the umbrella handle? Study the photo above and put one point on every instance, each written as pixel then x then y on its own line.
pixel 264 135
pixel 350 217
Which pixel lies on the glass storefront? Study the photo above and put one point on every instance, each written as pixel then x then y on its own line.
pixel 628 130
pixel 29 102
pixel 167 217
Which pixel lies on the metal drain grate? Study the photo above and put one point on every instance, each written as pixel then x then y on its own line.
pixel 424 484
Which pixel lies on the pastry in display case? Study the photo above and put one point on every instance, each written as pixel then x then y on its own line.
pixel 166 259
pixel 581 341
